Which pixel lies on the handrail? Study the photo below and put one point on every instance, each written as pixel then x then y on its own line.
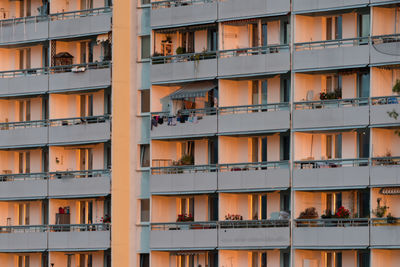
pixel 54 175
pixel 385 100
pixel 330 163
pixel 55 228
pixel 184 57
pixel 336 222
pixel 331 43
pixel 184 226
pixel 79 120
pixel 253 50
pixel 384 221
pixel 24 19
pixel 284 164
pixel 184 169
pixel 55 69
pixel 23 229
pixel 385 161
pixel 54 122
pixel 188 112
pixel 79 174
pixel 253 108
pixel 331 103
pixel 253 223
pixel 80 13
pixel 386 38
pixel 177 3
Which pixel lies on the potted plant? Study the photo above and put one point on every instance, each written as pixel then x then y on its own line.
pixel 180 50
pixel 342 213
pixel 233 217
pixel 396 87
pixel 391 219
pixel 185 218
pixel 309 213
pixel 380 211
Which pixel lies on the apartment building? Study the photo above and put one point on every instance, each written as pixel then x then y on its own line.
pixel 269 141
pixel 55 133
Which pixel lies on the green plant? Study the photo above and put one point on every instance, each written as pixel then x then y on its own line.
pixel 396 87
pixel 309 213
pixel 336 94
pixel 180 50
pixel 391 219
pixel 380 211
pixel 186 160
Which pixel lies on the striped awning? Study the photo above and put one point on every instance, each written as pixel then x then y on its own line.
pixel 193 90
pixel 390 191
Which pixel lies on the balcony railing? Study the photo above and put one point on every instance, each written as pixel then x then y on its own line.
pixel 334 103
pixel 56 69
pixel 331 163
pixel 385 100
pixel 80 13
pixel 54 175
pixel 177 3
pixel 385 161
pixel 54 122
pixel 253 51
pixel 354 222
pixel 347 42
pixel 55 228
pixel 184 57
pixel 184 169
pixel 251 166
pixel 30 19
pixel 391 221
pixel 23 229
pixel 387 38
pixel 253 108
pixel 253 224
pixel 184 226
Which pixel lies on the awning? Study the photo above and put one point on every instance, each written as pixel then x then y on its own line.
pixel 193 90
pixel 390 191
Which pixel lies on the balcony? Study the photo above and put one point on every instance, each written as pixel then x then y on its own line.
pixel 313 233
pixel 195 66
pixel 301 6
pixel 23 82
pixel 80 77
pixel 175 13
pixel 192 122
pixel 73 184
pixel 253 61
pixel 80 130
pixel 176 179
pixel 331 113
pixel 339 173
pixel 23 186
pixel 380 106
pixel 19 134
pixel 328 54
pixel 238 9
pixel 253 118
pixel 23 238
pixel 385 171
pixel 263 233
pixel 80 23
pixel 385 233
pixel 63 237
pixel 26 29
pixel 253 175
pixel 183 236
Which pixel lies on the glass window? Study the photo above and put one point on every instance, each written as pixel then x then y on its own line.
pixel 144 211
pixel 145 2
pixel 144 155
pixel 145 45
pixel 145 101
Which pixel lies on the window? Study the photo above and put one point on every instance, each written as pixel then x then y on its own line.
pixel 23 261
pixel 144 211
pixel 144 101
pixel 145 2
pixel 144 260
pixel 144 155
pixel 145 46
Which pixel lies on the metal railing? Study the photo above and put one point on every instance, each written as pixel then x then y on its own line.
pixel 78 227
pixel 184 226
pixel 178 3
pixel 331 43
pixel 54 175
pixel 56 69
pixel 387 38
pixel 391 221
pixel 252 166
pixel 331 103
pixel 184 57
pixel 79 174
pixel 23 229
pixel 78 120
pixel 23 124
pixel 385 161
pixel 385 100
pixel 337 222
pixel 80 13
pixel 184 169
pixel 331 163
pixel 29 19
pixel 253 224
pixel 253 108
pixel 157 163
pixel 253 51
